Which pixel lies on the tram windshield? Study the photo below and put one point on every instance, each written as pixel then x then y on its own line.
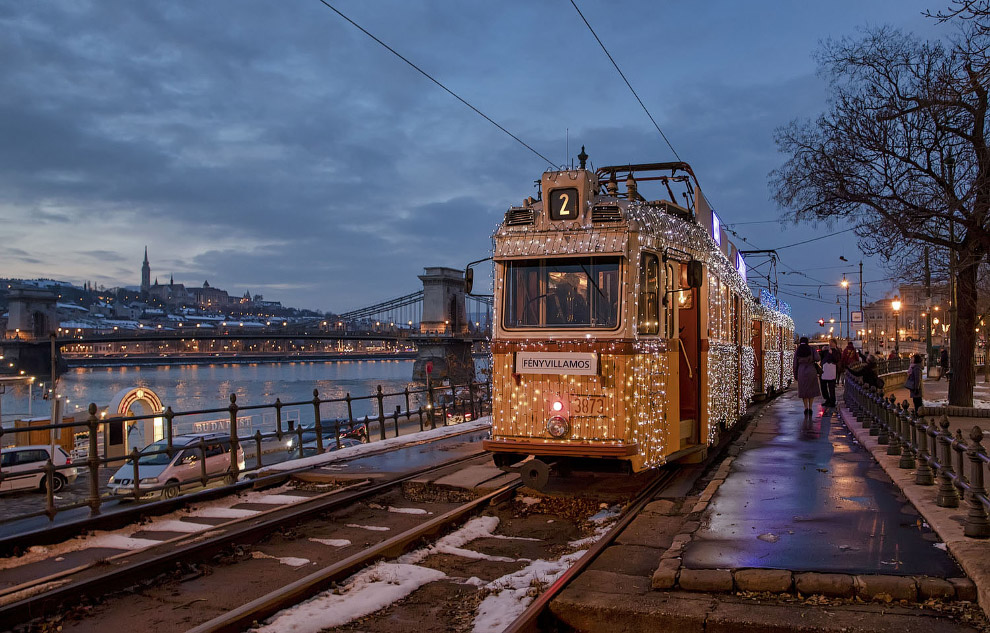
pixel 572 292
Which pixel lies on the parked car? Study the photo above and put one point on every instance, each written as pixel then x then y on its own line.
pixel 359 434
pixel 22 468
pixel 164 476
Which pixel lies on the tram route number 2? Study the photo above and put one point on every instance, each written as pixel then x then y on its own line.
pixel 587 406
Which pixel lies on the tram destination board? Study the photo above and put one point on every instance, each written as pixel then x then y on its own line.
pixel 573 363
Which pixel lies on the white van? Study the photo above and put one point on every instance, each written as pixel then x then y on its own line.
pixel 164 476
pixel 22 468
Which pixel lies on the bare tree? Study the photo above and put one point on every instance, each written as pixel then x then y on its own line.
pixel 902 153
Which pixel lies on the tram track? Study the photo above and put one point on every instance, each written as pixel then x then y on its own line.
pixel 108 575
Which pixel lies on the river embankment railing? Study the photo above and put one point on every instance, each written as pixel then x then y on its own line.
pixel 954 466
pixel 427 407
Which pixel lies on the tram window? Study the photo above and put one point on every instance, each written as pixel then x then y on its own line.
pixel 649 295
pixel 670 280
pixel 562 292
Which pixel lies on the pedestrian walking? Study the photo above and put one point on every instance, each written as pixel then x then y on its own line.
pixel 806 373
pixel 914 382
pixel 943 364
pixel 850 356
pixel 830 368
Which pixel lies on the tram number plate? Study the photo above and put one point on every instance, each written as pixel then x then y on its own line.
pixel 587 406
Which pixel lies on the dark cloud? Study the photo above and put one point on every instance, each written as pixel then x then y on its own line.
pixel 273 147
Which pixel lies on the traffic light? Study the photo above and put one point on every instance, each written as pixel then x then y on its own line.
pixel 821 322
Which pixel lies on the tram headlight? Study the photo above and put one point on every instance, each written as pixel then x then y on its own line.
pixel 557 426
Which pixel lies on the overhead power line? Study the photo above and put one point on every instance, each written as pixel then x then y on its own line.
pixel 436 81
pixel 621 74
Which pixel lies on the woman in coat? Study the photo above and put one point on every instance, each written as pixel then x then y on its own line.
pixel 806 374
pixel 914 382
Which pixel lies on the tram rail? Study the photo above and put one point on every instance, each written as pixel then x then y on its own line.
pixel 130 567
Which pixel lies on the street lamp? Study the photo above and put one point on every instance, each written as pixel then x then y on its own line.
pixel 845 284
pixel 896 305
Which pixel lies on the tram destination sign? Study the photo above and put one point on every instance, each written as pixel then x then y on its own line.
pixel 572 363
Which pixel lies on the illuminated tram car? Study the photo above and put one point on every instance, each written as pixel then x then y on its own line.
pixel 625 332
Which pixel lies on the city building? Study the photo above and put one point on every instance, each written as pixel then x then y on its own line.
pixel 877 329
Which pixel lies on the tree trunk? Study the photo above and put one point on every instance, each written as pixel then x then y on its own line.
pixel 963 371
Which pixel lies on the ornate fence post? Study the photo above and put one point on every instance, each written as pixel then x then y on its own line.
pixel 948 496
pixel 977 524
pixel 278 418
pixel 893 420
pixel 907 438
pixel 235 443
pixel 93 462
pixel 257 446
pixel 318 424
pixel 381 411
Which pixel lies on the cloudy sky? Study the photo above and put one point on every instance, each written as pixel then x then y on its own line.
pixel 273 147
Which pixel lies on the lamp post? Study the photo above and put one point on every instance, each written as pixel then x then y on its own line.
pixel 896 305
pixel 845 284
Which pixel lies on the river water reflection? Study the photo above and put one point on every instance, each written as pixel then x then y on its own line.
pixel 193 387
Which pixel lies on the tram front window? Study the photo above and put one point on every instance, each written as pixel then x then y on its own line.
pixel 574 292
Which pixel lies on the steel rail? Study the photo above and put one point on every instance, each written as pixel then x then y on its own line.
pixel 251 530
pixel 529 620
pixel 305 588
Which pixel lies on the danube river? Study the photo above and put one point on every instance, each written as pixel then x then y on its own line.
pixel 195 387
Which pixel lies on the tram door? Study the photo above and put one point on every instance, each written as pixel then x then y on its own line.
pixel 758 354
pixel 686 305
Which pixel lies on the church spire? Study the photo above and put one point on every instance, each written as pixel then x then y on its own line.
pixel 145 274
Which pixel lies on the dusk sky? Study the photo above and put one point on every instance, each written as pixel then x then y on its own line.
pixel 273 147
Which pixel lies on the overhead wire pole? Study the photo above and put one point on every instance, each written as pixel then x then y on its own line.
pixel 434 80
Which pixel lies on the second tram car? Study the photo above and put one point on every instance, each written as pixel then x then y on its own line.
pixel 625 332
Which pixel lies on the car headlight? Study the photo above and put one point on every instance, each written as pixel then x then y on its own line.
pixel 150 480
pixel 557 426
pixel 111 481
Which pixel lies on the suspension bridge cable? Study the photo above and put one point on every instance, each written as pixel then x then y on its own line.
pixel 621 74
pixel 437 82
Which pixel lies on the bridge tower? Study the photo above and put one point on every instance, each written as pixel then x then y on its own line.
pixel 32 315
pixel 442 341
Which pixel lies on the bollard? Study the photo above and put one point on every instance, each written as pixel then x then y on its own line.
pixel 908 438
pixel 317 424
pixel 947 496
pixel 977 524
pixel 257 445
pixel 894 427
pixel 93 462
pixel 923 476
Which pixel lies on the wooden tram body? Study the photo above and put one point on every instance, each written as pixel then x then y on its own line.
pixel 624 328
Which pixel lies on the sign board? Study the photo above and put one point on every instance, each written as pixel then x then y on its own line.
pixel 856 316
pixel 571 363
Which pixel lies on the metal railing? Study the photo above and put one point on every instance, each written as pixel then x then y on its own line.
pixel 429 407
pixel 956 467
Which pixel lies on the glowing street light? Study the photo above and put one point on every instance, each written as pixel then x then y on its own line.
pixel 896 305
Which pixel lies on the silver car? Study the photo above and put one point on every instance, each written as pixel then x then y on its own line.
pixel 161 475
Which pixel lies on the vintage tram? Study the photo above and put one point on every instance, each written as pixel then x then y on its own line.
pixel 625 334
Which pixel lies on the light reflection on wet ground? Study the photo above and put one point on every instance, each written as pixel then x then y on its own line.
pixel 803 495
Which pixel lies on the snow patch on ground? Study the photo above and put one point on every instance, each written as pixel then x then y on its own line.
pixel 605 514
pixel 291 561
pixel 332 542
pixel 478 527
pixel 373 528
pixel 599 532
pixel 510 593
pixel 172 525
pixel 366 592
pixel 222 513
pixel 530 501
pixel 275 500
pixel 408 510
pixel 120 541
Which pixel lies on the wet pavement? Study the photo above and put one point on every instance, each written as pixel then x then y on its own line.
pixel 803 495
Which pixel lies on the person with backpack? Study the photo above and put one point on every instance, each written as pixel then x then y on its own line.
pixel 914 382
